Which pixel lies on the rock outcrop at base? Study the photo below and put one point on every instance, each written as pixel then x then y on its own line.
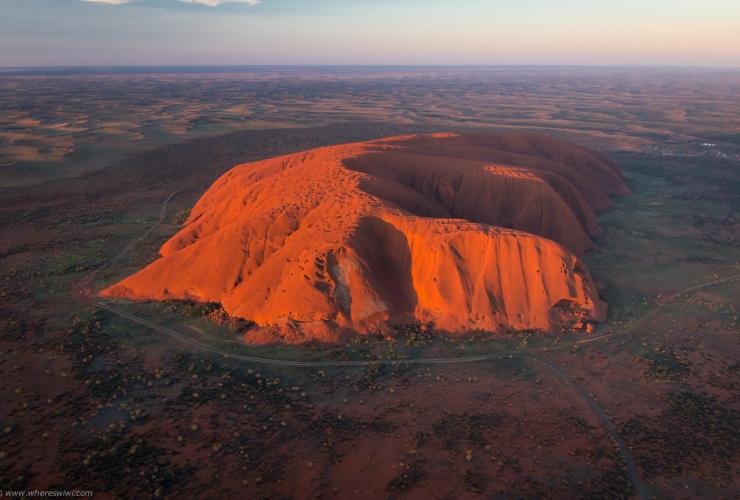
pixel 469 232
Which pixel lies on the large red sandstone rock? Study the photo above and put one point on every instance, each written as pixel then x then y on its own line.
pixel 466 231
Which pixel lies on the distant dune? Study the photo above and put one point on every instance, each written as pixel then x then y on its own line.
pixel 465 231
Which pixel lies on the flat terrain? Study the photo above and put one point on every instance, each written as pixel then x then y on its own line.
pixel 61 123
pixel 93 400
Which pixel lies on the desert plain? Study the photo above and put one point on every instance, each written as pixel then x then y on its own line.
pixel 162 398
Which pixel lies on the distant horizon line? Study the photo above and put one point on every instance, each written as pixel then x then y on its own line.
pixel 37 68
pixel 7 71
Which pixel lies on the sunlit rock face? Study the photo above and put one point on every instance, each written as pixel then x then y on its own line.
pixel 469 232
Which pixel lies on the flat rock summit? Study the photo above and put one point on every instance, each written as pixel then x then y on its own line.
pixel 469 232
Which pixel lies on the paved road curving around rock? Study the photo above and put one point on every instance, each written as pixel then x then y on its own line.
pixel 85 290
pixel 83 287
pixel 642 489
pixel 648 315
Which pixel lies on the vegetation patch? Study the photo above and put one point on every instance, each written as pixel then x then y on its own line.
pixel 456 428
pixel 664 365
pixel 695 430
pixel 411 475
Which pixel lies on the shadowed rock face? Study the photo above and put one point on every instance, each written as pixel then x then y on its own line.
pixel 466 231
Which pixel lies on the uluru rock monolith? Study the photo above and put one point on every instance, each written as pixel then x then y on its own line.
pixel 469 232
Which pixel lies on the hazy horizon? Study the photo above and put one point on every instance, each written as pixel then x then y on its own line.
pixel 239 68
pixel 94 33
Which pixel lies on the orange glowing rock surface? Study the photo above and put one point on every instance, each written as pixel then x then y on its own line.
pixel 466 231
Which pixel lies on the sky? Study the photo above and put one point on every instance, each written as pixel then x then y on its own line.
pixel 406 32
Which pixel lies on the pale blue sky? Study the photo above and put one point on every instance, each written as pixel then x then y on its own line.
pixel 143 32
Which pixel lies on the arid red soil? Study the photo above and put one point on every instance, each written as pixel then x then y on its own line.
pixel 464 231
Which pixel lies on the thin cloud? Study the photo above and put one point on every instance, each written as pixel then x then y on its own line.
pixel 209 3
pixel 216 3
pixel 108 2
